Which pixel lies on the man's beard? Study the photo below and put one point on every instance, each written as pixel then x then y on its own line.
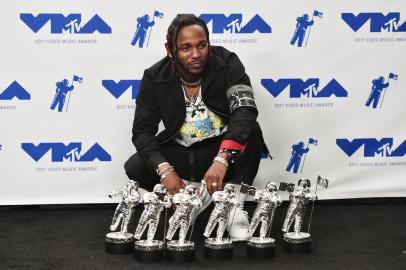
pixel 184 68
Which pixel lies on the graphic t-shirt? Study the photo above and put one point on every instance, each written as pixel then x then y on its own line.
pixel 200 123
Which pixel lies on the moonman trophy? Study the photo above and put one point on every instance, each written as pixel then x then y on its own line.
pixel 121 242
pixel 297 241
pixel 263 247
pixel 220 248
pixel 150 250
pixel 187 203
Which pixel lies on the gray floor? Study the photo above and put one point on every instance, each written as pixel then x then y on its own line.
pixel 345 236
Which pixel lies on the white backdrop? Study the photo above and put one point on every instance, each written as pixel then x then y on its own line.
pixel 35 57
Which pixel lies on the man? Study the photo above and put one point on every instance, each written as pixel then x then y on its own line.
pixel 225 201
pixel 301 27
pixel 298 198
pixel 187 202
pixel 142 28
pixel 297 152
pixel 268 200
pixel 154 204
pixel 125 209
pixel 378 85
pixel 62 89
pixel 205 101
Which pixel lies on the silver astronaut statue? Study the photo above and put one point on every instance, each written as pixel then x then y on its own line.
pixel 298 198
pixel 224 201
pixel 187 204
pixel 117 241
pixel 154 204
pixel 268 199
pixel 125 209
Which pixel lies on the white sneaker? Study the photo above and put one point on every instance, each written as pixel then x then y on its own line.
pixel 206 201
pixel 238 226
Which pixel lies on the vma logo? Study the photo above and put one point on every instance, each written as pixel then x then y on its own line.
pixel 117 89
pixel 71 24
pixel 234 24
pixel 378 21
pixel 372 147
pixel 299 88
pixel 15 90
pixel 61 152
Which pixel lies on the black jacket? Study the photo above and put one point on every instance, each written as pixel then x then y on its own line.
pixel 161 98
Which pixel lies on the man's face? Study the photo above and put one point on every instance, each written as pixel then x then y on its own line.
pixel 193 50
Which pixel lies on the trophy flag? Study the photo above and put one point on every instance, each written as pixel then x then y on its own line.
pixel 247 189
pixel 78 79
pixel 286 186
pixel 313 141
pixel 393 76
pixel 318 14
pixel 158 14
pixel 322 182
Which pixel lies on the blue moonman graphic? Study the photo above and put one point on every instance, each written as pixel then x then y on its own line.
pixel 297 152
pixel 63 89
pixel 378 86
pixel 302 25
pixel 143 25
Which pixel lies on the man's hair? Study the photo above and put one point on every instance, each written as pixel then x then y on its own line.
pixel 182 20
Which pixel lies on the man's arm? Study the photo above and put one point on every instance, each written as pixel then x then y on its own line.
pixel 242 105
pixel 145 126
pixel 146 120
pixel 243 117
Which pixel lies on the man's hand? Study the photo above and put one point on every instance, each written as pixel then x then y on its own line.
pixel 214 176
pixel 173 183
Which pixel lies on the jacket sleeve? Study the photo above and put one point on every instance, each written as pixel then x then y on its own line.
pixel 145 126
pixel 242 105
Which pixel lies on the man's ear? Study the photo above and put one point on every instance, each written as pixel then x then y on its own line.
pixel 168 51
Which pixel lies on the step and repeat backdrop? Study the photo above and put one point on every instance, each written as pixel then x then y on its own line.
pixel 329 79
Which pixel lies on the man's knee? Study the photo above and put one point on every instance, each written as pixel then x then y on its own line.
pixel 136 169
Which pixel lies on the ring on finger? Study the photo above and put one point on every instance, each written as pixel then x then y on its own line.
pixel 214 184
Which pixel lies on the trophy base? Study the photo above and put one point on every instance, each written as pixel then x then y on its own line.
pixel 119 243
pixel 149 251
pixel 218 250
pixel 180 251
pixel 261 248
pixel 297 243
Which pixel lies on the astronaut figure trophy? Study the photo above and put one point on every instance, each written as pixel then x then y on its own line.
pixel 151 250
pixel 263 247
pixel 219 248
pixel 187 204
pixel 297 241
pixel 121 241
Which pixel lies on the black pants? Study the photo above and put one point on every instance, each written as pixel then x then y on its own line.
pixel 191 163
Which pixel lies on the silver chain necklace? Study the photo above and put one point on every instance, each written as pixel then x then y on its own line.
pixel 190 98
pixel 191 84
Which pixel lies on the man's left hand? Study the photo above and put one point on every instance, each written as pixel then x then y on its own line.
pixel 214 177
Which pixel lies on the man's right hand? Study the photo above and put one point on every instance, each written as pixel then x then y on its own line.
pixel 173 183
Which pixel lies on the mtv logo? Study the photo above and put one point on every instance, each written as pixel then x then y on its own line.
pixel 378 21
pixel 71 152
pixel 299 88
pixel 234 24
pixel 372 147
pixel 65 24
pixel 15 90
pixel 117 89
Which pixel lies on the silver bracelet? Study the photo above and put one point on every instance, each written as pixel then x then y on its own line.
pixel 165 173
pixel 165 170
pixel 222 161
